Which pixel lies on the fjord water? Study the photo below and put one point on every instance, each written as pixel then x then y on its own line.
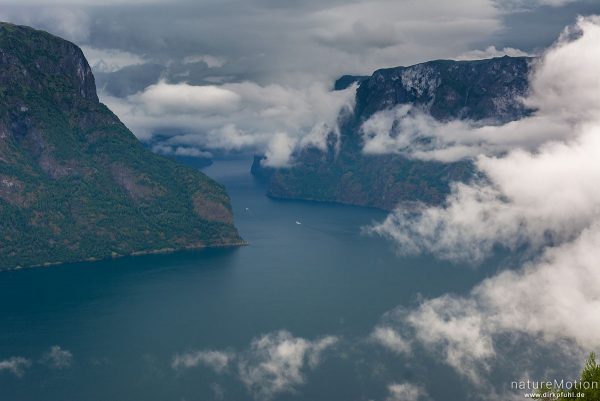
pixel 124 320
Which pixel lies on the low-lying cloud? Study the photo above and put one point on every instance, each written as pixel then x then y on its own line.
pixel 273 119
pixel 413 133
pixel 391 339
pixel 405 392
pixel 15 365
pixel 274 363
pixel 551 299
pixel 528 197
pixel 277 362
pixel 57 358
pixel 531 199
pixel 545 200
pixel 216 360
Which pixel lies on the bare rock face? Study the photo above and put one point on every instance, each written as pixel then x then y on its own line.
pixel 75 184
pixel 446 89
pixel 484 90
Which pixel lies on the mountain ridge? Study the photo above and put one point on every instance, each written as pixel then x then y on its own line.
pixel 482 90
pixel 75 183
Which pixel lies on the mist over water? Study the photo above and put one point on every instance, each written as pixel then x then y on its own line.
pixel 123 321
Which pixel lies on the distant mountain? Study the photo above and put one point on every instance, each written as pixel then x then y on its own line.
pixel 483 90
pixel 75 183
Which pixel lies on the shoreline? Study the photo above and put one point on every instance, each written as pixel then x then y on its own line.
pixel 162 251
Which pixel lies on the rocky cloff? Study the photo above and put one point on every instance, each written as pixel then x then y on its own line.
pixel 484 90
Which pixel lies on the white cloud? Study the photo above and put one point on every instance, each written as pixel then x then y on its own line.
pixel 519 204
pixel 458 330
pixel 181 151
pixel 522 206
pixel 491 52
pixel 404 392
pixel 550 300
pixel 163 99
pixel 111 60
pixel 216 360
pixel 210 61
pixel 277 362
pixel 58 358
pixel 15 365
pixel 556 88
pixel 403 129
pixel 274 363
pixel 279 150
pixel 390 339
pixel 273 118
pixel 545 199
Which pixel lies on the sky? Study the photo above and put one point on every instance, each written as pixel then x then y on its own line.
pixel 199 77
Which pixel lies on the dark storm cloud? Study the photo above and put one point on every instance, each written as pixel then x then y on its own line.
pixel 290 51
pixel 532 29
pixel 269 41
pixel 262 40
pixel 128 80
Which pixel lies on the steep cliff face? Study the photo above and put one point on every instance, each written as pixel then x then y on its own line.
pixel 476 90
pixel 75 183
pixel 483 90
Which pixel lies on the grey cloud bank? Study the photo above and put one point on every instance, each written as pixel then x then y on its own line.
pixel 289 52
pixel 274 118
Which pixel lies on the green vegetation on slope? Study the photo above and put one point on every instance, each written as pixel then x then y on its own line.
pixel 586 388
pixel 75 183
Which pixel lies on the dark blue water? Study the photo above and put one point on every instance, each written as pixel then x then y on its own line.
pixel 124 320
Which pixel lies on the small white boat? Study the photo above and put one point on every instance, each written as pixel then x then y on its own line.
pixel 297 222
